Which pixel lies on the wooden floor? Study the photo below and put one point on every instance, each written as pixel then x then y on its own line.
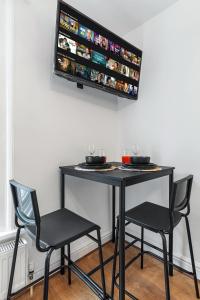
pixel 146 284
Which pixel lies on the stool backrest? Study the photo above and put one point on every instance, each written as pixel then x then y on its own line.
pixel 180 198
pixel 26 208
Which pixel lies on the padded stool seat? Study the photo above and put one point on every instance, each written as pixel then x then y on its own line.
pixel 152 216
pixel 62 227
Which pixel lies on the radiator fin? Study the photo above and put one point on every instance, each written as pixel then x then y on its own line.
pixel 21 269
pixel 9 246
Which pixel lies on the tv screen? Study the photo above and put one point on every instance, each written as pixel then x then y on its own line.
pixel 89 54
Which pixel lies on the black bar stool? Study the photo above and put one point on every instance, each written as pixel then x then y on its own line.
pixel 160 220
pixel 50 232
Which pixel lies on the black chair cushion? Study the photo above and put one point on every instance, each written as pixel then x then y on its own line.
pixel 152 216
pixel 62 227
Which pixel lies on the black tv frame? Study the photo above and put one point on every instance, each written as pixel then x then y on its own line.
pixel 96 27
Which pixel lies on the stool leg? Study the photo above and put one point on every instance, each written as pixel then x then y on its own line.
pixel 13 264
pixel 171 238
pixel 113 213
pixel 142 248
pixel 115 261
pixel 46 274
pixel 69 269
pixel 166 270
pixel 101 263
pixel 192 256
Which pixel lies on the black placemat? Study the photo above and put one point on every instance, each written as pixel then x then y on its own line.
pixel 96 167
pixel 140 166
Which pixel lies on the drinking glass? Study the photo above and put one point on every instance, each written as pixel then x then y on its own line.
pixel 91 150
pixel 126 156
pixel 136 150
pixel 101 153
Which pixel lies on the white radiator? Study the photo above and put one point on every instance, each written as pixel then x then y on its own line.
pixel 21 269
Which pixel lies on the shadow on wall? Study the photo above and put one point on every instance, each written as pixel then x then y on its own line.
pixel 91 95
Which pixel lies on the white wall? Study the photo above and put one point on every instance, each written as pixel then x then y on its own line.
pixel 165 120
pixel 54 122
pixel 6 89
pixel 2 111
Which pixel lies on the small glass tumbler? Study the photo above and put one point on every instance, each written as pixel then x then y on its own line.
pixel 101 153
pixel 126 156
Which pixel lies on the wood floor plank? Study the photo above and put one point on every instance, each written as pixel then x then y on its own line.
pixel 146 284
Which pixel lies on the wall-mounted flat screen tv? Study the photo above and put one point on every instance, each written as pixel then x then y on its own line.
pixel 91 55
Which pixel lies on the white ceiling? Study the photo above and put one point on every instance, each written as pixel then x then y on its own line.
pixel 121 16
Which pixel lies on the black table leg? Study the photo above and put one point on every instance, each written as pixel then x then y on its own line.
pixel 122 242
pixel 113 214
pixel 171 180
pixel 62 198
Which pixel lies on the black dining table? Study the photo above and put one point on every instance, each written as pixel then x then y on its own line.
pixel 121 179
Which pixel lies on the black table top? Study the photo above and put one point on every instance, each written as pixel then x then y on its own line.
pixel 117 177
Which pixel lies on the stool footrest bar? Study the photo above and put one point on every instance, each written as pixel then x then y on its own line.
pixel 87 280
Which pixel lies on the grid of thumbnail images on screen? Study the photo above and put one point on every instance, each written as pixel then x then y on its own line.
pixel 66 64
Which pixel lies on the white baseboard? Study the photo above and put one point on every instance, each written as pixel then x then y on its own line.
pixel 185 263
pixel 87 246
pixel 78 252
pixel 181 261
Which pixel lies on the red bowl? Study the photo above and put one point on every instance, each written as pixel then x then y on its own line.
pixel 136 160
pixel 126 159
